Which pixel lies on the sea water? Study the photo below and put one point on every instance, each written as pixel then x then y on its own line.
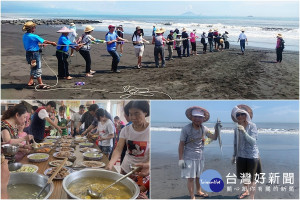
pixel 261 31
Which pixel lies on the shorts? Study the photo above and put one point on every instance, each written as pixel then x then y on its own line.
pixel 106 149
pixel 37 70
pixel 139 51
pixel 194 169
pixel 120 42
pixel 247 165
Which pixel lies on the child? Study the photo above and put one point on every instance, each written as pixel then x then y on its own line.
pixel 62 121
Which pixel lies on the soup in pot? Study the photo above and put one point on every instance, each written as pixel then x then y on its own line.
pixel 117 191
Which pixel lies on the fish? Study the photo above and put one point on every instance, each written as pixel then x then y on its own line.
pixel 218 131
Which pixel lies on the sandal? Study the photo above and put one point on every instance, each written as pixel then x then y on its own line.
pixel 69 78
pixel 32 84
pixel 44 87
pixel 204 195
pixel 243 195
pixel 89 75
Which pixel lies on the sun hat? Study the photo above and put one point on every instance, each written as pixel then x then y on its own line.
pixel 64 30
pixel 120 26
pixel 161 30
pixel 138 28
pixel 242 108
pixel 243 30
pixel 72 24
pixel 216 29
pixel 197 111
pixel 226 32
pixel 184 29
pixel 171 31
pixel 210 31
pixel 88 28
pixel 111 26
pixel 28 25
pixel 279 35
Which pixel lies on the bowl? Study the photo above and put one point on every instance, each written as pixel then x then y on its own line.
pixel 32 178
pixel 101 173
pixel 92 156
pixel 14 166
pixel 9 149
pixel 41 157
pixel 86 144
pixel 27 168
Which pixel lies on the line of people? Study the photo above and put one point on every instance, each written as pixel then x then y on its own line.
pixel 114 38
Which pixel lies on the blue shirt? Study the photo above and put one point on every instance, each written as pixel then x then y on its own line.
pixel 31 42
pixel 63 40
pixel 109 37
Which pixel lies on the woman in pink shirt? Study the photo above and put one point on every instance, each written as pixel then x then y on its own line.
pixel 193 42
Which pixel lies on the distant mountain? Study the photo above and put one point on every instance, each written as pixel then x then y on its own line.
pixel 189 14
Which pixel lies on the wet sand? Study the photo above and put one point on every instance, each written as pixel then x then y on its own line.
pixel 217 75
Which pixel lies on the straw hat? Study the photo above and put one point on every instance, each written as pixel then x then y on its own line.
pixel 161 30
pixel 88 28
pixel 28 25
pixel 210 31
pixel 189 111
pixel 245 108
pixel 216 29
pixel 138 28
pixel 243 30
pixel 72 24
pixel 183 30
pixel 64 30
pixel 279 35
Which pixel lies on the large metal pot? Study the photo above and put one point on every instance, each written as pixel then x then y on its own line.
pixel 9 149
pixel 31 178
pixel 132 186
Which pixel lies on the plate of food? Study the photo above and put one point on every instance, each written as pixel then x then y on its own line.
pixel 43 150
pixel 85 144
pixel 63 154
pixel 49 140
pixel 52 137
pixel 38 157
pixel 67 137
pixel 65 144
pixel 88 149
pixel 93 164
pixel 92 156
pixel 61 174
pixel 66 141
pixel 56 163
pixel 65 149
pixel 28 168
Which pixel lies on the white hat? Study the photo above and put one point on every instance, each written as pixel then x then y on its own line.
pixel 197 113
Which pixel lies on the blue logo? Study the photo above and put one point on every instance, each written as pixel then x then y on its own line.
pixel 211 181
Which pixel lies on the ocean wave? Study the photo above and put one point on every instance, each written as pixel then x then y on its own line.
pixel 230 131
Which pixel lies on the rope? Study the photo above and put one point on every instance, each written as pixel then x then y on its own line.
pixel 128 91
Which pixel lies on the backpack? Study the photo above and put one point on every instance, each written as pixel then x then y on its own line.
pixel 135 35
pixel 281 46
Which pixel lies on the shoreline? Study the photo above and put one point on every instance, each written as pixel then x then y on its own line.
pixel 217 75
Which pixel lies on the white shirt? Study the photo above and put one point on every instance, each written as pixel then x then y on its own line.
pixel 105 129
pixel 138 145
pixel 242 36
pixel 137 38
pixel 76 119
pixel 43 114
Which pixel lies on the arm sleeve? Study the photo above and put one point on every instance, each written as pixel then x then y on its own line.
pixel 42 114
pixel 82 119
pixel 39 39
pixel 110 128
pixel 252 135
pixel 123 133
pixel 183 135
pixel 107 38
pixel 234 142
pixel 66 41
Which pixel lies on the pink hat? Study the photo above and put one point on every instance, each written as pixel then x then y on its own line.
pixel 64 30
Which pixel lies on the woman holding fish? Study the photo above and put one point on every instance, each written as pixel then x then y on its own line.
pixel 191 145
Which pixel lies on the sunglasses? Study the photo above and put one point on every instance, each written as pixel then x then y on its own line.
pixel 240 114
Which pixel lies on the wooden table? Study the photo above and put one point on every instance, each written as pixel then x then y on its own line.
pixel 58 192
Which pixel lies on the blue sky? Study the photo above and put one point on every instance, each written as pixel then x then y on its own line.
pixel 205 8
pixel 263 111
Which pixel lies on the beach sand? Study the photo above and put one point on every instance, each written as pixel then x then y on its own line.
pixel 218 75
pixel 277 156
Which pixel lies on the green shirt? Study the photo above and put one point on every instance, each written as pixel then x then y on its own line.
pixel 63 123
